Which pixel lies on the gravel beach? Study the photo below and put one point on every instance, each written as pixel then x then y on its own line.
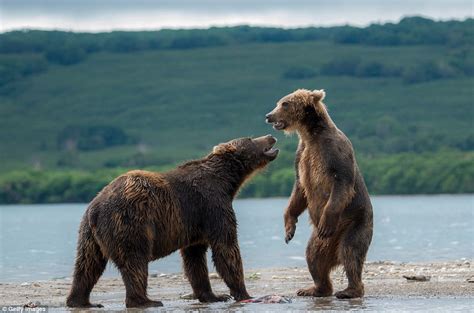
pixel 383 280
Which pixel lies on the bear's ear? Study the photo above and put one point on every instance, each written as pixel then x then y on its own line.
pixel 223 148
pixel 318 95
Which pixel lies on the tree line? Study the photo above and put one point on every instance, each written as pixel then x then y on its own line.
pixel 409 173
pixel 68 47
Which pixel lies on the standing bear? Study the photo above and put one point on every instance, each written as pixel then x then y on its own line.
pixel 143 216
pixel 328 183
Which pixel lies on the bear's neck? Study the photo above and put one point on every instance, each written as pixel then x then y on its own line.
pixel 227 170
pixel 315 124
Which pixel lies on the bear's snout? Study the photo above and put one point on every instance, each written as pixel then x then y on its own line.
pixel 269 118
pixel 272 140
pixel 266 141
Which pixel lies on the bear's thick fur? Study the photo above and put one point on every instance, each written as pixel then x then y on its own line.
pixel 328 183
pixel 143 216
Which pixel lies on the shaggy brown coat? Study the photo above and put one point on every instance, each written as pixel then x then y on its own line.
pixel 143 216
pixel 328 183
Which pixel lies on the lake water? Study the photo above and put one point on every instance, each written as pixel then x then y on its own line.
pixel 37 242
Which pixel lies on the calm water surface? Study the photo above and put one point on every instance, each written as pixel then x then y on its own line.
pixel 38 241
pixel 370 304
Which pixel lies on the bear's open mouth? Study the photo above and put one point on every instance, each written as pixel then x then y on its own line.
pixel 280 125
pixel 270 151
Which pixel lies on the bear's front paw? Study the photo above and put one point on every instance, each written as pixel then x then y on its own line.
pixel 211 297
pixel 241 296
pixel 315 292
pixel 290 228
pixel 325 232
pixel 328 225
pixel 290 233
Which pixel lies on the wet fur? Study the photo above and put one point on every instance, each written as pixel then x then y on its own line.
pixel 328 183
pixel 143 216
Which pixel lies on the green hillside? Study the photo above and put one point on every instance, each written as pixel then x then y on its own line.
pixel 74 104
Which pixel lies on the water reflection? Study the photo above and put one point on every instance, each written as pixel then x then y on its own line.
pixel 330 303
pixel 114 303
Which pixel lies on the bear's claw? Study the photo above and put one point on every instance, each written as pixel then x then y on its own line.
pixel 349 293
pixel 314 292
pixel 289 236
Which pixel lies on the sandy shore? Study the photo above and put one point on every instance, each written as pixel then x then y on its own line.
pixel 382 279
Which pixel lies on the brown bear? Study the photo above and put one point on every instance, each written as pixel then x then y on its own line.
pixel 143 216
pixel 328 182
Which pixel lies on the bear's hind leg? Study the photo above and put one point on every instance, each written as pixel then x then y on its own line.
pixel 353 251
pixel 90 264
pixel 321 257
pixel 195 267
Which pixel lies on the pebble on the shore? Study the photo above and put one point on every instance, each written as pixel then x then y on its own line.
pixel 188 296
pixel 417 278
pixel 254 276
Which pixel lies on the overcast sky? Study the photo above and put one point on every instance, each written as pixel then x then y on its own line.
pixel 105 15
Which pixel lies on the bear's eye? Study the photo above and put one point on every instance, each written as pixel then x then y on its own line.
pixel 285 105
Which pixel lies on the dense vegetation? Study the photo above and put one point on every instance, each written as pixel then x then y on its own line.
pixel 76 109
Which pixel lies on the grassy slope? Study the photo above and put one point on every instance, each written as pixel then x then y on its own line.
pixel 182 102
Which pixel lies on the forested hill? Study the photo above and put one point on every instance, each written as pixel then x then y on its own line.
pixel 78 108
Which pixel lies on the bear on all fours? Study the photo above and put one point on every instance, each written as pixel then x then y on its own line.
pixel 142 216
pixel 329 184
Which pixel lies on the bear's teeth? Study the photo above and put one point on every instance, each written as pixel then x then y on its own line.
pixel 271 152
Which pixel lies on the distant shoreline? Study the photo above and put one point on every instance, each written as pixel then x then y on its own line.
pixel 381 279
pixel 263 198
